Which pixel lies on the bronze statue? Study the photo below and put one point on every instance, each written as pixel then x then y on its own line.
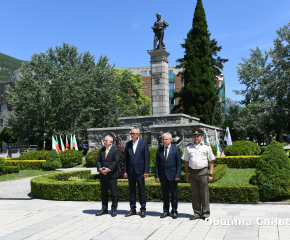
pixel 158 29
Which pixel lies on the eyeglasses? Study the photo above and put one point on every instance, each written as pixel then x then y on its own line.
pixel 133 133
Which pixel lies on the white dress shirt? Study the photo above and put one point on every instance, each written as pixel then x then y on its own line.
pixel 168 148
pixel 135 144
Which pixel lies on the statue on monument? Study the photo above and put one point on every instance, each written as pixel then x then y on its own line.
pixel 158 29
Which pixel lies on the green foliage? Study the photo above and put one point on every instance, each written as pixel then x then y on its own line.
pixel 52 161
pixel 2 163
pixel 91 158
pixel 34 155
pixel 239 161
pixel 214 149
pixel 8 65
pixel 25 164
pixel 284 144
pixel 237 176
pixel 6 135
pixel 273 173
pixel 57 187
pixel 245 148
pixel 10 169
pixel 71 158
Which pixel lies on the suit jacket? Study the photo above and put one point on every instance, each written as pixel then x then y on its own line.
pixel 171 168
pixel 140 160
pixel 111 162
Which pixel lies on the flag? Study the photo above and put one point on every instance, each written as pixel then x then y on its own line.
pixel 66 143
pixel 217 143
pixel 62 145
pixel 71 143
pixel 55 145
pixel 228 137
pixel 205 137
pixel 75 145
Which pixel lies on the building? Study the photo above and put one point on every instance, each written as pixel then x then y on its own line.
pixel 175 83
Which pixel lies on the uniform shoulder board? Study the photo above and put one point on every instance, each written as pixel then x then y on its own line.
pixel 207 144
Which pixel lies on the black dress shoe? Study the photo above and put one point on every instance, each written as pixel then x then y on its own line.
pixel 131 213
pixel 143 214
pixel 193 218
pixel 165 214
pixel 114 213
pixel 203 218
pixel 174 215
pixel 102 212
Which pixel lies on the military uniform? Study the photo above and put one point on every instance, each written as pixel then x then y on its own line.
pixel 118 141
pixel 198 157
pixel 160 141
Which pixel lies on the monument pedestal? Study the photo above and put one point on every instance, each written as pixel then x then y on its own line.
pixel 159 81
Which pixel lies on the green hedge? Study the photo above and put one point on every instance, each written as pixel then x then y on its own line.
pixel 34 155
pixel 10 169
pixel 57 187
pixel 242 148
pixel 2 163
pixel 25 164
pixel 91 158
pixel 239 161
pixel 71 158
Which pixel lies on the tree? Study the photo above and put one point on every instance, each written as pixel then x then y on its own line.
pixel 231 117
pixel 7 136
pixel 62 92
pixel 267 80
pixel 201 67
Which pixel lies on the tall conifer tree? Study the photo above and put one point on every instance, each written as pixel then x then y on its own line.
pixel 199 95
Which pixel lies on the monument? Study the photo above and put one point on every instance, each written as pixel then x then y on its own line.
pixel 179 125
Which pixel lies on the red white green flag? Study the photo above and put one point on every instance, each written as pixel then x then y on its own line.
pixel 62 145
pixel 205 137
pixel 55 145
pixel 71 143
pixel 228 137
pixel 75 145
pixel 217 144
pixel 66 143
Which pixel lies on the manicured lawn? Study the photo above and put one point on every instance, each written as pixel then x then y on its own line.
pixel 24 174
pixel 237 176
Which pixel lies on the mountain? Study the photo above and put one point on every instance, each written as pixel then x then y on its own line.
pixel 7 66
pixel 230 103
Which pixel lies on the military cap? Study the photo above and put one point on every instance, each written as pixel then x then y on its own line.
pixel 197 131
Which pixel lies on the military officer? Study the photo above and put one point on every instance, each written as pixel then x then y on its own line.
pixel 160 139
pixel 118 141
pixel 196 156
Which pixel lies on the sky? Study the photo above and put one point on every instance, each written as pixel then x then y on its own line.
pixel 122 29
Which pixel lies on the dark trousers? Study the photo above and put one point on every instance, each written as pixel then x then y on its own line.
pixel 139 179
pixel 106 184
pixel 167 186
pixel 200 193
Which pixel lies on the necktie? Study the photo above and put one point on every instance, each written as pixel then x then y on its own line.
pixel 166 153
pixel 106 153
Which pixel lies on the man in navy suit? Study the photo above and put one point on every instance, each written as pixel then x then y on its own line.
pixel 136 168
pixel 168 171
pixel 107 165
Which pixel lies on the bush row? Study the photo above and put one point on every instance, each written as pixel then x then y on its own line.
pixel 239 161
pixel 10 169
pixel 25 164
pixel 57 187
pixel 242 148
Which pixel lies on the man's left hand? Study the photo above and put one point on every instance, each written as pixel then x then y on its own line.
pixel 210 179
pixel 146 175
pixel 176 179
pixel 105 170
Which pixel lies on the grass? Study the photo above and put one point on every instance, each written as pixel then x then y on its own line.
pixel 236 176
pixel 24 174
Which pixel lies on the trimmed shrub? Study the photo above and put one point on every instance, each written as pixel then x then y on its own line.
pixel 239 161
pixel 10 169
pixel 57 187
pixel 34 155
pixel 25 164
pixel 71 158
pixel 2 163
pixel 242 148
pixel 284 144
pixel 273 173
pixel 214 149
pixel 91 158
pixel 52 162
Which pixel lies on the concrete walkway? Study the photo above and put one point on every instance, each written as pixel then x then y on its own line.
pixel 66 220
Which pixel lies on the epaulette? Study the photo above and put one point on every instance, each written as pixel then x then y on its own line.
pixel 207 144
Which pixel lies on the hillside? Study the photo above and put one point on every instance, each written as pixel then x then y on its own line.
pixel 230 103
pixel 7 66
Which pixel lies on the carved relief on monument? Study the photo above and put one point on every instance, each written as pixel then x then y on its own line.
pixel 156 77
pixel 108 133
pixel 177 136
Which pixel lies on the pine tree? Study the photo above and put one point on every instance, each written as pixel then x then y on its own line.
pixel 199 96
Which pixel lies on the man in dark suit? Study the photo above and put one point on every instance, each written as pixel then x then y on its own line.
pixel 107 165
pixel 136 168
pixel 168 171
